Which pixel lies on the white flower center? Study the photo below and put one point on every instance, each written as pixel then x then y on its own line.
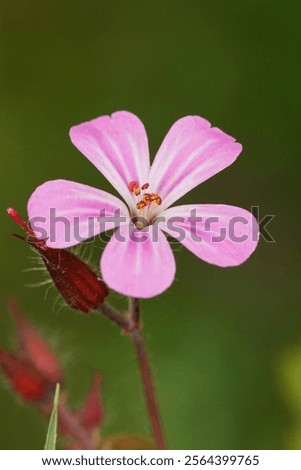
pixel 145 209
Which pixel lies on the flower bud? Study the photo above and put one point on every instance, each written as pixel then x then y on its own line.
pixel 91 414
pixel 24 378
pixel 33 347
pixel 75 280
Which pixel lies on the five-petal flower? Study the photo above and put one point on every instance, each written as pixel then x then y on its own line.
pixel 138 260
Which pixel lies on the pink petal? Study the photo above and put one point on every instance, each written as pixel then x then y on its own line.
pixel 140 269
pixel 191 152
pixel 228 239
pixel 79 206
pixel 117 145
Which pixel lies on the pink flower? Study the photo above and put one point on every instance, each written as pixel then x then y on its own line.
pixel 191 152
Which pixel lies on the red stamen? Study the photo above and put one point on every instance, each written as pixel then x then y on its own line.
pixel 133 185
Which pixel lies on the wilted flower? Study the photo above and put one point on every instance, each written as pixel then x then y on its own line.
pixel 191 152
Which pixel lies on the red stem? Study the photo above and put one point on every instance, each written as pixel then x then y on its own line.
pixel 74 427
pixel 114 316
pixel 146 376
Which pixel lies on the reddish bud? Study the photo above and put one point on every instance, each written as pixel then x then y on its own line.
pixel 33 347
pixel 91 414
pixel 89 417
pixel 71 426
pixel 74 279
pixel 24 378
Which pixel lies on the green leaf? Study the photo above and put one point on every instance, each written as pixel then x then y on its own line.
pixel 50 443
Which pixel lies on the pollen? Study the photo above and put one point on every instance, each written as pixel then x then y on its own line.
pixel 141 205
pixel 146 198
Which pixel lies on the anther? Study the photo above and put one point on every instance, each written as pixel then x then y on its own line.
pixel 145 186
pixel 137 191
pixel 133 185
pixel 140 205
pixel 147 198
pixel 158 201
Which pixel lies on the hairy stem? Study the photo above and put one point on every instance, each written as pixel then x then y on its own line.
pixel 146 375
pixel 135 312
pixel 114 316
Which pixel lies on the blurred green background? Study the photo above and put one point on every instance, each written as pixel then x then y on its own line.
pixel 225 343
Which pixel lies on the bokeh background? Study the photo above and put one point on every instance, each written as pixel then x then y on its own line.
pixel 225 343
